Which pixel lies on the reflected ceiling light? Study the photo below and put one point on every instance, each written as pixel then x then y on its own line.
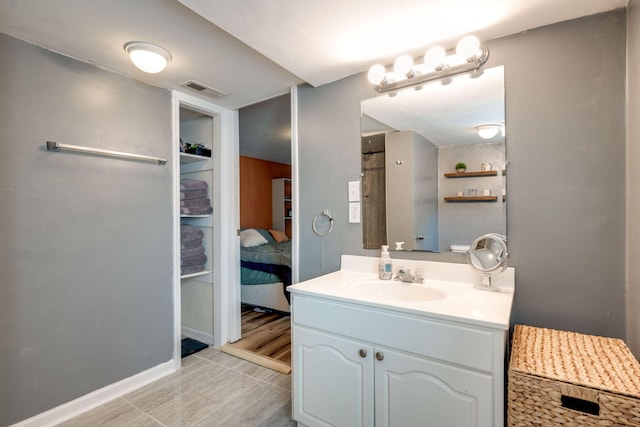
pixel 148 57
pixel 488 131
pixel 437 65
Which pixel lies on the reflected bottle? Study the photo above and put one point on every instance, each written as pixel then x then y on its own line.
pixel 385 265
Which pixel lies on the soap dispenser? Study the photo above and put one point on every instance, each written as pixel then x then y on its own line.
pixel 385 266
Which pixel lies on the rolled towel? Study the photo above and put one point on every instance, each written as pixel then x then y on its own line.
pixel 186 253
pixel 192 194
pixel 190 269
pixel 193 260
pixel 193 184
pixel 460 249
pixel 191 244
pixel 189 233
pixel 196 203
pixel 196 211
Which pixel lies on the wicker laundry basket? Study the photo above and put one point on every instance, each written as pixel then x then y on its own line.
pixel 559 378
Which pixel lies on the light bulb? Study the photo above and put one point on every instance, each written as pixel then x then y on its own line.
pixel 488 131
pixel 376 74
pixel 403 64
pixel 468 47
pixel 435 56
pixel 147 57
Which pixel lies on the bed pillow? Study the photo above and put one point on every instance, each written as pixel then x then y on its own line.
pixel 250 237
pixel 265 234
pixel 279 236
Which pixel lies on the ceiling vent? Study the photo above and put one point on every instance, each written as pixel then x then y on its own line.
pixel 203 89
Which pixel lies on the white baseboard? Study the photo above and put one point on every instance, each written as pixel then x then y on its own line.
pixel 96 398
pixel 198 335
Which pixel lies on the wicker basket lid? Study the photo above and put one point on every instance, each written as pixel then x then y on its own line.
pixel 585 360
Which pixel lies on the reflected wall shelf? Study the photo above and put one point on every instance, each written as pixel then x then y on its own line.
pixel 470 174
pixel 471 199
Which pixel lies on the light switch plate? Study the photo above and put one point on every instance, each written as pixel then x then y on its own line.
pixel 354 212
pixel 354 191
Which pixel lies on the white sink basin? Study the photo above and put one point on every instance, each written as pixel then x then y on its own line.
pixel 398 291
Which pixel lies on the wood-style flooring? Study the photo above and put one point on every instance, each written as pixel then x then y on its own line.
pixel 266 339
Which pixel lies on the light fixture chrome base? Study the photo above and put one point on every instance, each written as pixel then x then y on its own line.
pixel 415 79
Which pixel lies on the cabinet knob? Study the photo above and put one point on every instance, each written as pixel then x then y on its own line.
pixel 379 355
pixel 362 353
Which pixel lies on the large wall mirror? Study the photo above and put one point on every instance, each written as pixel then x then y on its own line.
pixel 411 144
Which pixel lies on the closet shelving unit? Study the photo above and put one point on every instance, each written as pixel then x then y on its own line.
pixel 193 166
pixel 282 204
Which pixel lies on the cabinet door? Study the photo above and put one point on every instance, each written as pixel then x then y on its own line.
pixel 332 380
pixel 414 391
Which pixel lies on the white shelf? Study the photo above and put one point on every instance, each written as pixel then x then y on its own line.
pixel 192 158
pixel 198 274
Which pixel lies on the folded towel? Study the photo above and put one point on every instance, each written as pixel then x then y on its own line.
pixel 206 210
pixel 189 233
pixel 190 269
pixel 196 203
pixel 191 244
pixel 186 253
pixel 193 260
pixel 192 194
pixel 193 184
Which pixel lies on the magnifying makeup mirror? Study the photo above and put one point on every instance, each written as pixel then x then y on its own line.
pixel 488 256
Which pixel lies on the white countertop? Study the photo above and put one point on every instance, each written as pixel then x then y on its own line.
pixel 459 301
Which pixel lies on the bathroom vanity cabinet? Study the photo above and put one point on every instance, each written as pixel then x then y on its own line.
pixel 357 365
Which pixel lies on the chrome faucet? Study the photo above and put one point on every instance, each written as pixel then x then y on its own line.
pixel 404 275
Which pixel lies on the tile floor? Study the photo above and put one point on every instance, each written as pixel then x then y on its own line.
pixel 211 389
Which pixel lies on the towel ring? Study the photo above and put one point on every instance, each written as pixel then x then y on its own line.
pixel 324 213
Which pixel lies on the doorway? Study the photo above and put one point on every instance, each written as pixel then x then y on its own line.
pixel 210 288
pixel 267 228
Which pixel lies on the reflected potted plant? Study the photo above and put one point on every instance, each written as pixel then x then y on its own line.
pixel 461 167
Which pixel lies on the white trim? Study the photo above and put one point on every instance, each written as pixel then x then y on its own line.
pixel 230 242
pixel 197 335
pixel 295 225
pixel 99 397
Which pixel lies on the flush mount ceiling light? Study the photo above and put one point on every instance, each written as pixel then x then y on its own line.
pixel 148 57
pixel 488 131
pixel 468 57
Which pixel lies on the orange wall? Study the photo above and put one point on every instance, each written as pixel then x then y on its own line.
pixel 255 190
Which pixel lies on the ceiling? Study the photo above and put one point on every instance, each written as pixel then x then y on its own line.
pixel 253 50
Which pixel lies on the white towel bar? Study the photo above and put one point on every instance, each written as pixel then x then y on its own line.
pixel 54 146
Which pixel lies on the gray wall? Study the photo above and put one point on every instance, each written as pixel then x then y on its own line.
pixel 85 253
pixel 565 104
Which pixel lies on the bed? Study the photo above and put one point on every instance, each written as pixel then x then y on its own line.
pixel 265 268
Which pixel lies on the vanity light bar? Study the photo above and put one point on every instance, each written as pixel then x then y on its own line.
pixel 416 75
